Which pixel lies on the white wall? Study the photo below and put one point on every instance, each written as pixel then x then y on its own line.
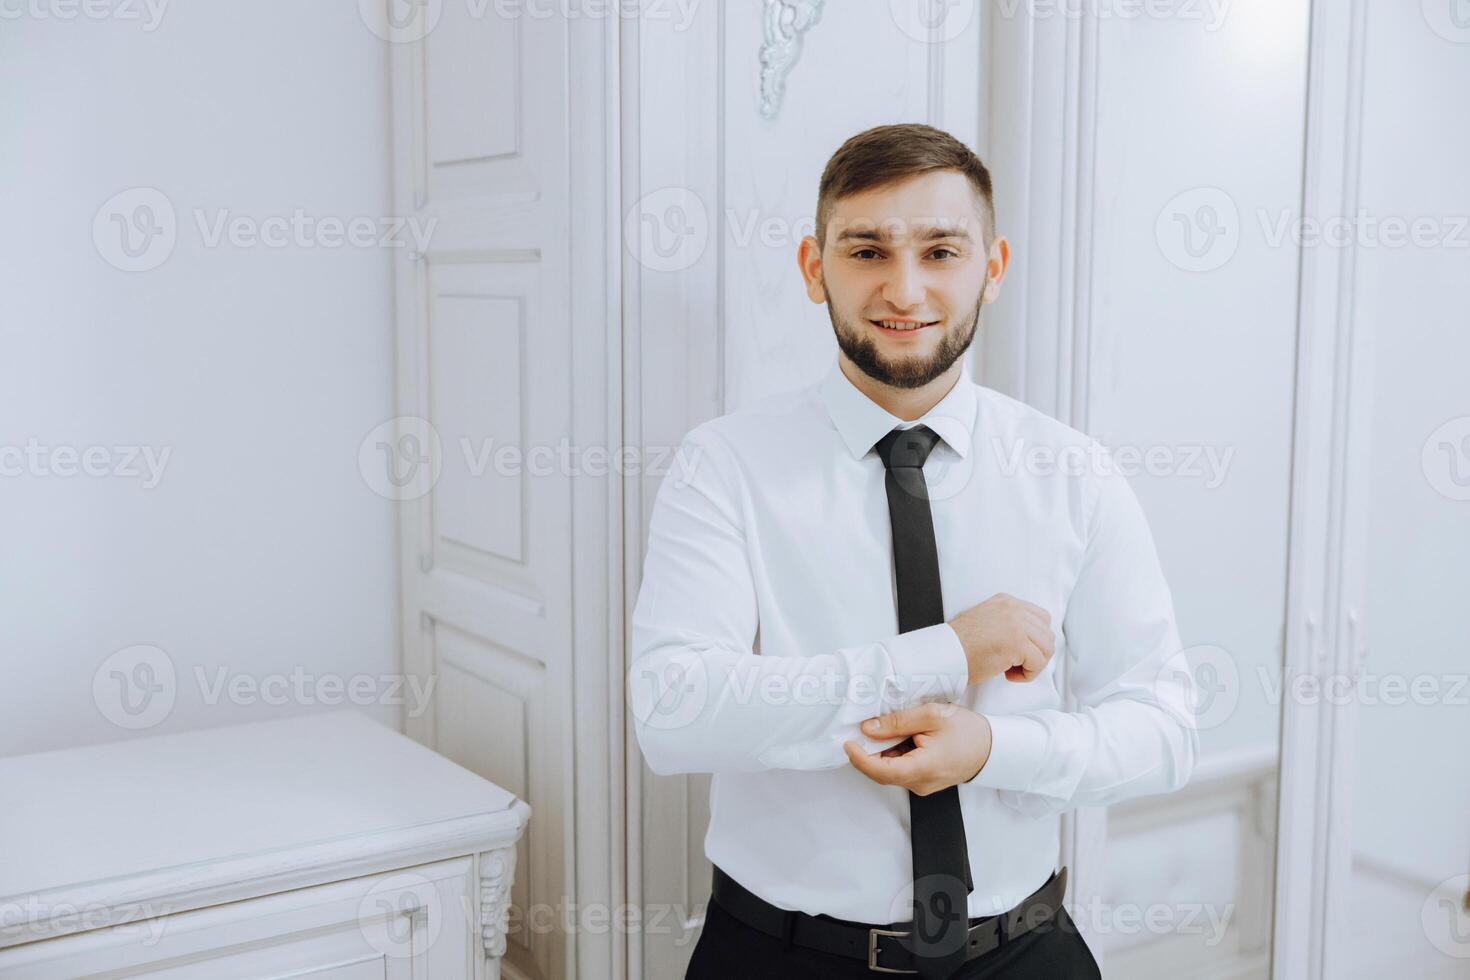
pixel 1193 358
pixel 259 370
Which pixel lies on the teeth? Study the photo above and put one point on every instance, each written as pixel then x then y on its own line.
pixel 891 325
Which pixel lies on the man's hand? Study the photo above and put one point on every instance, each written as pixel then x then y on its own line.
pixel 951 745
pixel 1005 635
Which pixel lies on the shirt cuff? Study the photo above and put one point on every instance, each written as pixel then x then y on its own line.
pixel 1017 751
pixel 929 664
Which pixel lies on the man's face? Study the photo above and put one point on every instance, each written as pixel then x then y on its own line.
pixel 904 272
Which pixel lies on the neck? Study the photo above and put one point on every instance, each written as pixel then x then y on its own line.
pixel 904 403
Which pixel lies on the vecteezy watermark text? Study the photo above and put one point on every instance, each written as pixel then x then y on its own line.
pixel 137 229
pixel 36 459
pixel 147 12
pixel 1207 464
pixel 403 458
pixel 136 688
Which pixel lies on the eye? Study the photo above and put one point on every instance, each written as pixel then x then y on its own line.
pixel 949 251
pixel 860 253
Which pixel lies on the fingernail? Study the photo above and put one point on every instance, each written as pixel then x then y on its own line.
pixel 870 724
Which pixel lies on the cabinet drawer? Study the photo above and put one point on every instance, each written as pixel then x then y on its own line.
pixel 414 924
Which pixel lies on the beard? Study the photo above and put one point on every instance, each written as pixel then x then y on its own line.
pixel 909 372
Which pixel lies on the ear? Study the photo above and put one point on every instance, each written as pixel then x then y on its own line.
pixel 809 260
pixel 996 264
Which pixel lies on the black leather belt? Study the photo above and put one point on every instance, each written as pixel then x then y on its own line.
pixel 884 947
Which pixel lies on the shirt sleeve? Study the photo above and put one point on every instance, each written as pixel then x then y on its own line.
pixel 702 698
pixel 1133 733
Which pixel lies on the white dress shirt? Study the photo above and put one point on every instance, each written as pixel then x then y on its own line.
pixel 766 630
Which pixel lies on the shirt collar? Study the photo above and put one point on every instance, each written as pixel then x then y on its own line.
pixel 862 422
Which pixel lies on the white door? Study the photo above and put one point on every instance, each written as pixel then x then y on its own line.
pixel 506 330
pixel 1375 862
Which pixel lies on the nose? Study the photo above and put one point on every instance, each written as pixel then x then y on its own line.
pixel 904 288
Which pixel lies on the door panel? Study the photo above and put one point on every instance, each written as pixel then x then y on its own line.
pixel 1405 908
pixel 504 607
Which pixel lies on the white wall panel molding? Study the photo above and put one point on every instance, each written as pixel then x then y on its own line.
pixel 1328 542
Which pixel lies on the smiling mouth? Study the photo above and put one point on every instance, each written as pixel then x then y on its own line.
pixel 902 326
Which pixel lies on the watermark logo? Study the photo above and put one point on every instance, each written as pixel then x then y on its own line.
pixel 148 12
pixel 1209 13
pixel 300 687
pixel 409 21
pixel 567 917
pixel 36 459
pixel 401 21
pixel 1199 230
pixel 670 695
pixel 1358 686
pixel 401 916
pixel 1364 229
pixel 401 459
pixel 135 230
pixel 947 474
pixel 1450 19
pixel 1208 922
pixel 1209 465
pixel 33 917
pixel 135 687
pixel 1213 678
pixel 1445 917
pixel 1446 459
pixel 932 21
pixel 667 230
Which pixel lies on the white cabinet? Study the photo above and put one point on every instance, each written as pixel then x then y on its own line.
pixel 324 846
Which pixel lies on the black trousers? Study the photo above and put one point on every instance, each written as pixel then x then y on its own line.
pixel 728 948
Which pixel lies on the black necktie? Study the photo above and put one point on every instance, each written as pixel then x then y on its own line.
pixel 936 826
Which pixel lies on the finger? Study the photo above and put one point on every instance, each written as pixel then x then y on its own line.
pixel 890 771
pixel 902 747
pixel 1033 662
pixel 908 721
pixel 1037 617
pixel 1043 637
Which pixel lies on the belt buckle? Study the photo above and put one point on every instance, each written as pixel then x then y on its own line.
pixel 873 935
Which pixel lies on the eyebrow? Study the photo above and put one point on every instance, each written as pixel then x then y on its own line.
pixel 925 233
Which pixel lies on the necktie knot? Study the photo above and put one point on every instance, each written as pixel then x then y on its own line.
pixel 907 447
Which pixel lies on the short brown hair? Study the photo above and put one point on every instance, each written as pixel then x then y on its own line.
pixel 885 154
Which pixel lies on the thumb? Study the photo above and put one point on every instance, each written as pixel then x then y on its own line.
pixel 908 721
